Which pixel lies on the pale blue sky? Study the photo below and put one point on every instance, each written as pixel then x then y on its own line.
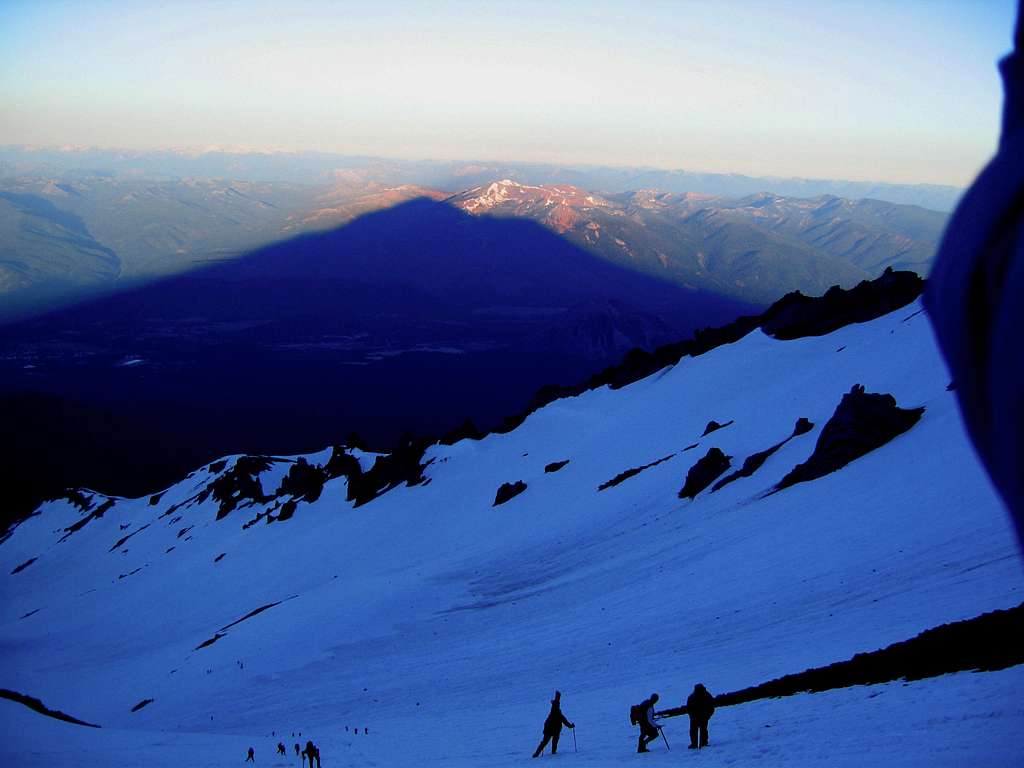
pixel 894 91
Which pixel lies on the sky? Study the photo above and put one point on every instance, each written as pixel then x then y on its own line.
pixel 895 91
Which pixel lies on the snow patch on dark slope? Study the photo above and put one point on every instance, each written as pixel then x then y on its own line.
pixel 420 608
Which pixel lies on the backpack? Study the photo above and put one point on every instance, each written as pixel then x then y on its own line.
pixel 636 714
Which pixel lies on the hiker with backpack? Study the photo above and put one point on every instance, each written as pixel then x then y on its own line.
pixel 700 706
pixel 310 753
pixel 553 726
pixel 642 714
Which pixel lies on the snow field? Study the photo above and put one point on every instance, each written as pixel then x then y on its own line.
pixel 444 624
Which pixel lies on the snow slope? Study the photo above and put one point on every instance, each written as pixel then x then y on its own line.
pixel 444 623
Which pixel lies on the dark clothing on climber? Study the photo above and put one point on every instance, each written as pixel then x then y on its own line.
pixel 700 706
pixel 553 726
pixel 648 728
pixel 311 752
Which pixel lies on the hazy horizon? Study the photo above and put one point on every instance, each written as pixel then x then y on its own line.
pixel 199 151
pixel 901 93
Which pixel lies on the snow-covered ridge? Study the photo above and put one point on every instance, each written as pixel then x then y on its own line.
pixel 430 607
pixel 513 198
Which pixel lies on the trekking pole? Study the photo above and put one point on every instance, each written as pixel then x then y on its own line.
pixel 574 747
pixel 661 730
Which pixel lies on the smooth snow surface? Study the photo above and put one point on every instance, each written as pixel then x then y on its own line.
pixel 444 624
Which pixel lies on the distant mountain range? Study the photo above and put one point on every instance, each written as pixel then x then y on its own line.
pixel 754 249
pixel 70 237
pixel 318 168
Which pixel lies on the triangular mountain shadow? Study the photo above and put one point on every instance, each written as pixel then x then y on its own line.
pixel 421 257
pixel 410 319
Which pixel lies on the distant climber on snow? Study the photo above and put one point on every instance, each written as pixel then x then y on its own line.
pixel 280 749
pixel 700 706
pixel 251 757
pixel 553 726
pixel 297 750
pixel 642 714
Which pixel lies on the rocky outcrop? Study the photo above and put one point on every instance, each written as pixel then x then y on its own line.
pixel 704 472
pixel 861 423
pixel 754 461
pixel 795 315
pixel 508 491
pixel 304 482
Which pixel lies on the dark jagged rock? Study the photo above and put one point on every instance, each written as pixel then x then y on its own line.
pixel 989 642
pixel 253 612
pixel 219 557
pixel 207 643
pixel 554 466
pixel 287 510
pixel 754 462
pixel 141 704
pixel 795 315
pixel 155 498
pixel 217 467
pixel 714 426
pixel 690 447
pixel 96 514
pixel 24 565
pixel 704 472
pixel 802 427
pixel 240 483
pixel 751 464
pixel 403 465
pixel 37 705
pixel 791 317
pixel 342 464
pixel 123 539
pixel 303 481
pixel 508 491
pixel 861 423
pixel 623 476
pixel 78 498
pixel 467 430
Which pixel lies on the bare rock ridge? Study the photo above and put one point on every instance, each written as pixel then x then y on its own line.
pixel 986 643
pixel 791 317
pixel 704 472
pixel 37 705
